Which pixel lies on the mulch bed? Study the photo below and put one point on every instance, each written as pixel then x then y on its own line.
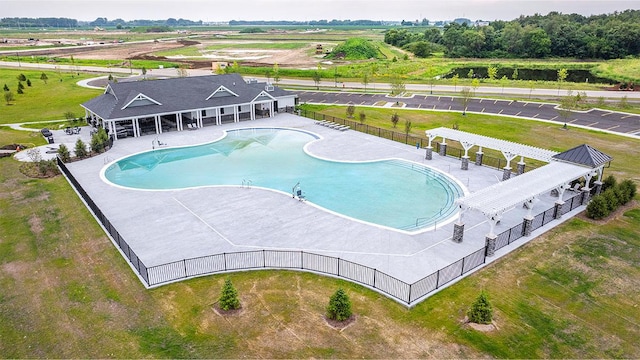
pixel 340 325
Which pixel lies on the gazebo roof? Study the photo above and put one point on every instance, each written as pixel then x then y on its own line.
pixel 584 155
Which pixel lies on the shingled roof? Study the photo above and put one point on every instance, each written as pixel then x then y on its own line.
pixel 123 100
pixel 584 155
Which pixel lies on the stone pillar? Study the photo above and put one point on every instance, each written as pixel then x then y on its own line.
pixel 557 209
pixel 479 156
pixel 598 185
pixel 458 232
pixel 506 173
pixel 465 163
pixel 527 225
pixel 443 149
pixel 490 245
pixel 429 154
pixel 521 166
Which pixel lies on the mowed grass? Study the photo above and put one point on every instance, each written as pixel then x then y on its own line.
pixel 43 101
pixel 65 291
pixel 251 45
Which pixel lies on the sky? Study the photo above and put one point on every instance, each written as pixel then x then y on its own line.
pixel 302 10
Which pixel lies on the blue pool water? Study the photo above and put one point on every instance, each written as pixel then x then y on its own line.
pixel 393 193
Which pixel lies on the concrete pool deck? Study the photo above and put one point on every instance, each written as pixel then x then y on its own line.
pixel 167 226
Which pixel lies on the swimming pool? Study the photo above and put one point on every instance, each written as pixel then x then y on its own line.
pixel 393 193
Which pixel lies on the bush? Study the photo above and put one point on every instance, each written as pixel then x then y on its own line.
pixel 362 117
pixel 609 182
pixel 229 297
pixel 339 307
pixel 350 111
pixel 80 149
pixel 355 49
pixel 611 199
pixel 394 119
pixel 597 208
pixel 63 151
pixel 481 311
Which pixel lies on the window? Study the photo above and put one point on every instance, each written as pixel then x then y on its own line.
pixel 221 111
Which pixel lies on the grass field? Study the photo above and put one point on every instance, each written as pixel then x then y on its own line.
pixel 43 101
pixel 66 292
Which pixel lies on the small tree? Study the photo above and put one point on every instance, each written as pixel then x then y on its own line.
pixel 362 116
pixel 28 83
pixel 20 91
pixel 44 77
pixel 394 119
pixel 316 79
pixel 182 71
pixel 339 307
pixel 470 74
pixel 465 96
pixel 397 85
pixel 562 76
pixel 336 76
pixel 455 80
pixel 229 297
pixel 110 77
pixel 514 76
pixel 407 127
pixel 69 115
pixel 350 111
pixel 492 72
pixel 267 74
pixel 80 149
pixel 531 86
pixel 20 86
pixel 144 72
pixel 8 97
pixel 21 77
pixel 63 152
pixel 624 103
pixel 6 88
pixel 503 82
pixel 481 311
pixel 365 80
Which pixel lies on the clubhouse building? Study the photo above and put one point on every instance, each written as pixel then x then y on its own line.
pixel 138 108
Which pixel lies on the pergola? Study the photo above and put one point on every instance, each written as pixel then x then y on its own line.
pixel 523 190
pixel 509 150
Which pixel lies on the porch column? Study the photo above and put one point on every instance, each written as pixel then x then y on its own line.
pixel 136 127
pixel 506 173
pixel 252 111
pixel 443 147
pixel 479 156
pixel 179 124
pixel 271 110
pixel 199 118
pixel 218 119
pixel 157 122
pixel 429 153
pixel 235 114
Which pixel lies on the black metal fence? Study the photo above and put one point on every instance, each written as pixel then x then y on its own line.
pixel 404 292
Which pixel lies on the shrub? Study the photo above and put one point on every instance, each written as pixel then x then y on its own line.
pixel 355 49
pixel 611 199
pixel 63 151
pixel 339 307
pixel 628 191
pixel 80 149
pixel 481 311
pixel 597 208
pixel 350 111
pixel 229 297
pixel 609 182
pixel 362 117
pixel 394 119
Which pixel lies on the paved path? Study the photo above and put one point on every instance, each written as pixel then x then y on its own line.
pixel 614 122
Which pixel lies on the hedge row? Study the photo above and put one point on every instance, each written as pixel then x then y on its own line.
pixel 608 201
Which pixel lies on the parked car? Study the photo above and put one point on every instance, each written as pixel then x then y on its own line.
pixel 46 133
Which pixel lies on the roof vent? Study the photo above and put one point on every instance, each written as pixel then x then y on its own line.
pixel 269 87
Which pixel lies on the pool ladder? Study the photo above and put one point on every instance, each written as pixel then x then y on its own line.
pixel 246 183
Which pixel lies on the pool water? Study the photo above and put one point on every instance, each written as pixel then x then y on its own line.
pixel 392 193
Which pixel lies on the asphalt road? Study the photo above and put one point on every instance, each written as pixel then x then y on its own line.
pixel 615 122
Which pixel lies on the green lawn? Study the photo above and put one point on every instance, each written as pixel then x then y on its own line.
pixel 43 101
pixel 66 292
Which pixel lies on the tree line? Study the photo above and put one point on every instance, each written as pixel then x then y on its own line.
pixel 609 36
pixel 38 22
pixel 307 23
